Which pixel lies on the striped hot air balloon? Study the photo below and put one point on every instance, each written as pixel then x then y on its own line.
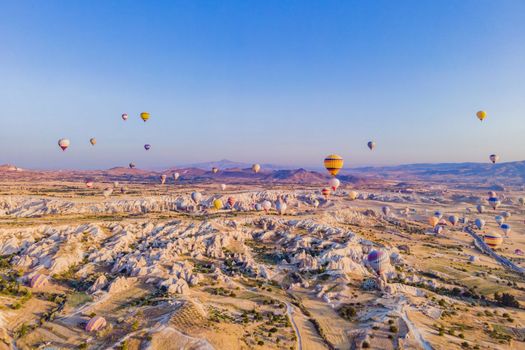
pixel 378 260
pixel 333 163
pixel 493 240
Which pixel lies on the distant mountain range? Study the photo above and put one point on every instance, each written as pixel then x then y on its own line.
pixel 511 173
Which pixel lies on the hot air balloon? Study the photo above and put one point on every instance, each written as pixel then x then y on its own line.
pixel 144 116
pixel 465 221
pixel 438 214
pixel 333 163
pixel 378 260
pixel 480 208
pixel 214 170
pixel 63 143
pixel 438 229
pixel 256 168
pixel 124 116
pixel 258 206
pixel 267 205
pixel 325 192
pixel 176 176
pixel 217 204
pixel 506 215
pixel 281 206
pixel 499 219
pixel 196 197
pixel 492 194
pixel 433 221
pixel 115 184
pixel 480 223
pixel 223 187
pixel 353 195
pixel 334 183
pixel 89 183
pixel 453 219
pixel 481 115
pixel 231 202
pixel 493 240
pixel 386 210
pixel 494 158
pixel 163 179
pixel 147 146
pixel 371 145
pixel 494 202
pixel 131 165
pixel 93 141
pixel 505 228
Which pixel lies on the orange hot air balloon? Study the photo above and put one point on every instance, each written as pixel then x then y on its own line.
pixel 433 221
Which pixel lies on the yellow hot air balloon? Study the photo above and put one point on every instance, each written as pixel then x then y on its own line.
pixel 433 221
pixel 256 168
pixel 481 115
pixel 217 204
pixel 144 116
pixel 333 163
pixel 353 195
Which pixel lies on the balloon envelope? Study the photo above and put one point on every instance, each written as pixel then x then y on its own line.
pixel 124 116
pixel 493 240
pixel 196 196
pixel 494 158
pixel 371 145
pixel 147 147
pixel 256 168
pixel 333 163
pixel 93 141
pixel 217 204
pixel 353 195
pixel 144 116
pixel 480 223
pixel 334 183
pixel 63 143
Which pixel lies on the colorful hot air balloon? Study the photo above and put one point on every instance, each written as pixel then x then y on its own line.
pixel 266 205
pixel 480 223
pixel 378 260
pixel 453 219
pixel 371 145
pixel 481 115
pixel 433 221
pixel 494 202
pixel 89 183
pixel 333 163
pixel 256 168
pixel 223 187
pixel 144 116
pixel 280 206
pixel 334 183
pixel 124 116
pixel 217 204
pixel 196 197
pixel 93 141
pixel 214 170
pixel 163 179
pixel 131 165
pixel 494 158
pixel 438 229
pixel 353 195
pixel 176 176
pixel 493 240
pixel 386 210
pixel 499 219
pixel 147 146
pixel 231 202
pixel 63 143
pixel 325 192
pixel 480 208
pixel 438 214
pixel 505 228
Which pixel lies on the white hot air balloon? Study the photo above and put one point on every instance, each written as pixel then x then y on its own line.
pixel 64 144
pixel 334 183
pixel 163 179
pixel 176 176
pixel 223 187
pixel 266 205
pixel 196 197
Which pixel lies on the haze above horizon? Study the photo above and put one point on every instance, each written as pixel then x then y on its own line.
pixel 282 82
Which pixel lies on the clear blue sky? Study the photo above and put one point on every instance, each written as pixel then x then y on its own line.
pixel 281 81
